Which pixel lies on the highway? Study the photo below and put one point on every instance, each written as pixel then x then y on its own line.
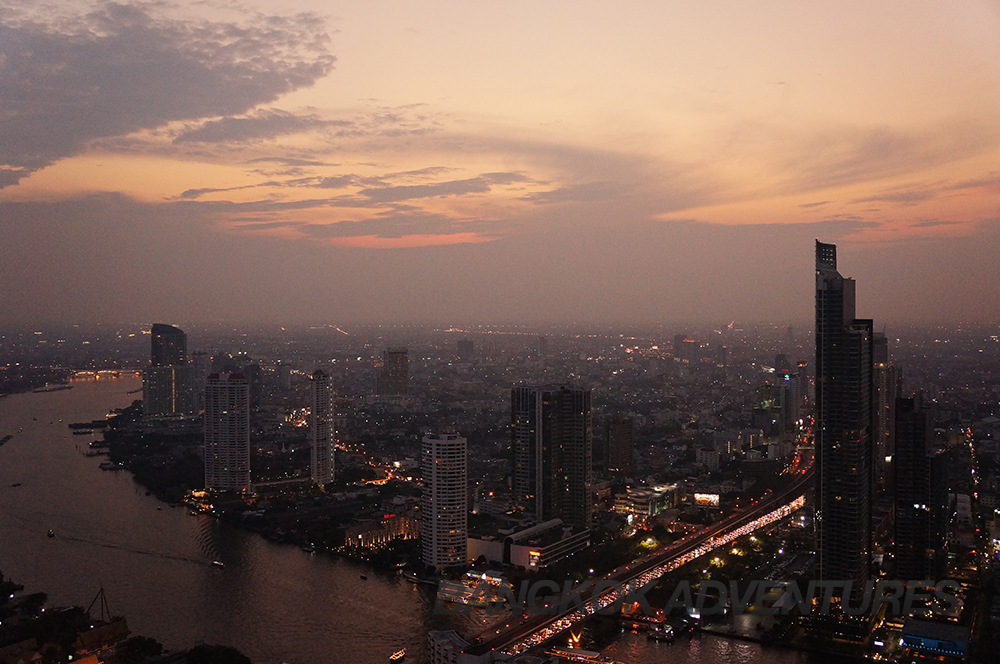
pixel 535 630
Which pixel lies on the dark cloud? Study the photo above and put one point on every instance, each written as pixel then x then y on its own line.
pixel 191 194
pixel 122 68
pixel 387 226
pixel 902 197
pixel 262 124
pixel 287 161
pixel 933 222
pixel 406 192
pixel 580 193
pixel 267 225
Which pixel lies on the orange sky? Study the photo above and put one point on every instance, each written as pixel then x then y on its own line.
pixel 399 125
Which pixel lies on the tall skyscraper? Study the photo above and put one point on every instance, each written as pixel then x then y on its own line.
pixel 394 377
pixel 921 495
pixel 167 387
pixel 444 510
pixel 885 382
pixel 552 442
pixel 227 432
pixel 322 432
pixel 619 442
pixel 843 426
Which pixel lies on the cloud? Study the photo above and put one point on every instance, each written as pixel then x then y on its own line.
pixel 123 67
pixel 579 193
pixel 262 124
pixel 812 205
pixel 903 197
pixel 387 226
pixel 476 185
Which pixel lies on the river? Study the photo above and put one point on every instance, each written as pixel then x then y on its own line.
pixel 274 602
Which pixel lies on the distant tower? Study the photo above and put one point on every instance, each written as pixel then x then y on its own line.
pixel 843 426
pixel 201 366
pixel 227 432
pixel 465 349
pixel 444 509
pixel 394 378
pixel 166 386
pixel 552 442
pixel 619 444
pixel 322 433
pixel 921 495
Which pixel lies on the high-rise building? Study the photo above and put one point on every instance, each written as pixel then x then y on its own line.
pixel 167 387
pixel 552 442
pixel 322 430
pixel 921 495
pixel 885 385
pixel 619 442
pixel 394 377
pixel 227 432
pixel 201 366
pixel 843 428
pixel 444 508
pixel 466 347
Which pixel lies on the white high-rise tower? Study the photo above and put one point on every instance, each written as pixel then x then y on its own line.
pixel 227 432
pixel 322 433
pixel 444 510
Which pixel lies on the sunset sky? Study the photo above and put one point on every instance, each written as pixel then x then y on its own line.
pixel 513 161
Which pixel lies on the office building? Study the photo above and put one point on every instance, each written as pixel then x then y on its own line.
pixel 843 428
pixel 227 432
pixel 322 430
pixel 619 442
pixel 167 386
pixel 394 376
pixel 444 508
pixel 552 443
pixel 921 495
pixel 886 386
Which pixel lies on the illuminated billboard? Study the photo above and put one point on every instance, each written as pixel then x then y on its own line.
pixel 706 499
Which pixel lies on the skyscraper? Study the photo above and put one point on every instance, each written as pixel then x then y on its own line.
pixel 227 432
pixel 394 377
pixel 322 433
pixel 885 385
pixel 166 385
pixel 619 441
pixel 921 495
pixel 552 444
pixel 843 425
pixel 444 508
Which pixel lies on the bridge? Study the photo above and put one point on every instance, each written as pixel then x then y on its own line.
pixel 539 629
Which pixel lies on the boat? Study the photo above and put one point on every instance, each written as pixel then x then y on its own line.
pixel 364 578
pixel 52 534
pixel 218 563
pixel 398 655
pixel 5 438
pixel 15 485
pixel 411 576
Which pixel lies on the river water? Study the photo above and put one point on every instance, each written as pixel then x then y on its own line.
pixel 274 602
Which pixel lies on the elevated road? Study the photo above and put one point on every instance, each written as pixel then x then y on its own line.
pixel 535 630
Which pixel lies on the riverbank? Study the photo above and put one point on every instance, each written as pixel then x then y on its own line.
pixel 277 604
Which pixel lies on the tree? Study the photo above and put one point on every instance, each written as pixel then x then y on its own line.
pixel 138 649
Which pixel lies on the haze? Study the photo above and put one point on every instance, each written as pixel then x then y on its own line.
pixel 517 161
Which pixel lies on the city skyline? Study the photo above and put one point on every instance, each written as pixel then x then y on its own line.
pixel 661 162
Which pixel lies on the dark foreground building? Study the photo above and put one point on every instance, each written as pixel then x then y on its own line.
pixel 844 445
